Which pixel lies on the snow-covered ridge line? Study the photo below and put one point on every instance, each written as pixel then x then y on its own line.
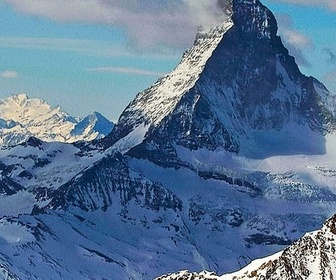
pixel 22 117
pixel 159 100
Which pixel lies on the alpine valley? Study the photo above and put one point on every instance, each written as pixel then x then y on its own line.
pixel 227 159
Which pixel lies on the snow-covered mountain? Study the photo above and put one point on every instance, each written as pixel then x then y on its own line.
pixel 22 117
pixel 237 88
pixel 227 159
pixel 311 257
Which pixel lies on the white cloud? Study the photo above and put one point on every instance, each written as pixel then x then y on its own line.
pixel 149 23
pixel 127 70
pixel 295 41
pixel 153 24
pixel 331 55
pixel 9 74
pixel 330 80
pixel 295 38
pixel 84 47
pixel 330 77
pixel 60 44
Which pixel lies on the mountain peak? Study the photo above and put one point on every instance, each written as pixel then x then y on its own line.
pixel 248 16
pixel 19 97
pixel 311 257
pixel 253 17
pixel 93 124
pixel 237 88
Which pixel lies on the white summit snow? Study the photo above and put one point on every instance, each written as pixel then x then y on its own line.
pixel 22 117
pixel 158 101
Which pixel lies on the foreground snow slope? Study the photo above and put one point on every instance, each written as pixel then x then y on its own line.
pixel 312 257
pixel 110 216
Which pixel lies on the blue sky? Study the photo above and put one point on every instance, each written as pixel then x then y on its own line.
pixel 97 55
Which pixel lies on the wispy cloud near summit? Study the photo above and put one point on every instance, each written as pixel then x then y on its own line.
pixel 148 23
pixel 295 41
pixel 9 74
pixel 127 70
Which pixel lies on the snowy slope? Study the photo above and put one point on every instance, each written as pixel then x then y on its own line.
pixel 158 101
pixel 22 117
pixel 121 217
pixel 312 257
pixel 186 275
pixel 32 171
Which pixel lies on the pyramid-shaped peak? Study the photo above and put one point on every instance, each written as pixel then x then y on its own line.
pixel 237 88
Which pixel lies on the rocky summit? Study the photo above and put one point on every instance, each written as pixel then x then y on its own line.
pixel 227 159
pixel 237 88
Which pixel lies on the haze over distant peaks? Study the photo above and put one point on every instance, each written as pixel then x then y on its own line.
pixel 22 117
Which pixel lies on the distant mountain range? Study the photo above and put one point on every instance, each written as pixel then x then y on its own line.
pixel 229 158
pixel 22 117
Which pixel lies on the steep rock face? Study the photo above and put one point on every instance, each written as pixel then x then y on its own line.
pixel 109 179
pixel 236 84
pixel 22 117
pixel 152 106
